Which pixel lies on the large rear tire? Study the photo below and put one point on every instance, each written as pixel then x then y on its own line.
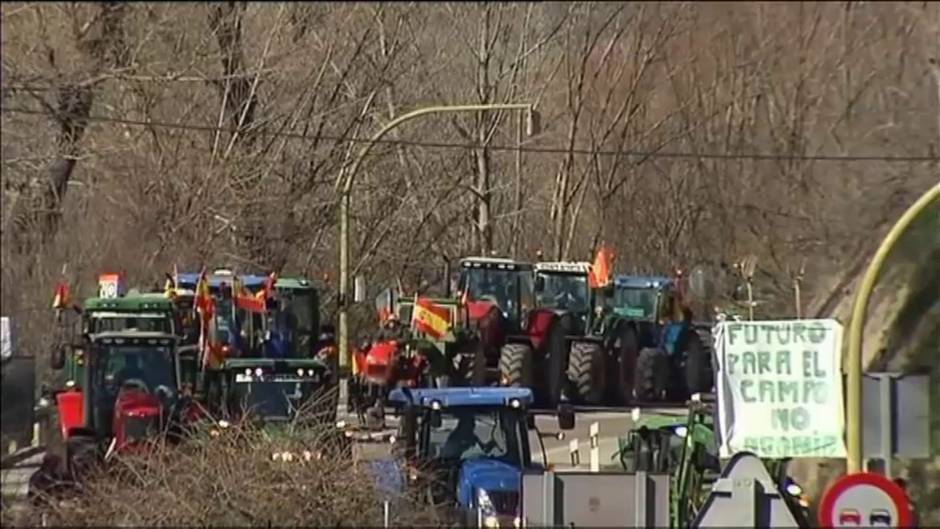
pixel 652 375
pixel 515 365
pixel 698 369
pixel 628 349
pixel 586 370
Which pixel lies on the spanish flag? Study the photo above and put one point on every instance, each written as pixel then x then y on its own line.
pixel 203 297
pixel 430 318
pixel 599 276
pixel 61 299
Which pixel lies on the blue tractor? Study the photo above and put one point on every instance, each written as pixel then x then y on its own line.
pixel 653 325
pixel 466 448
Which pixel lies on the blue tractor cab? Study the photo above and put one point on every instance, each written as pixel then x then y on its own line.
pixel 469 446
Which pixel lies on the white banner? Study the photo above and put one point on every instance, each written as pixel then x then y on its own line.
pixel 779 387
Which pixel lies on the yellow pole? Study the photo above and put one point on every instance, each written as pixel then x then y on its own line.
pixel 854 358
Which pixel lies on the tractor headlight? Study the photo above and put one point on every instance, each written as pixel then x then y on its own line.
pixel 435 405
pixel 514 403
pixel 794 490
pixel 300 371
pixel 258 372
pixel 485 504
pixel 681 431
pixel 310 372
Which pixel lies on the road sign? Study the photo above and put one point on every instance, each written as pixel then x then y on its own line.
pixel 865 500
pixel 745 496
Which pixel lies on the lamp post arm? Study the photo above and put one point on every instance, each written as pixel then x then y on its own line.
pixel 857 324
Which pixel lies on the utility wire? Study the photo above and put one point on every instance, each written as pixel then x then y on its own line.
pixel 509 148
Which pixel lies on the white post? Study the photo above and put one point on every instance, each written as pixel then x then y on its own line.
pixel 385 513
pixel 595 448
pixel 479 516
pixel 35 434
pixel 574 453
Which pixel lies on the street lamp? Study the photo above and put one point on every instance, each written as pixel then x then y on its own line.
pixel 853 404
pixel 532 128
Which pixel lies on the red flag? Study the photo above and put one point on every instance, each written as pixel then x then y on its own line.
pixel 61 299
pixel 430 318
pixel 251 303
pixel 601 269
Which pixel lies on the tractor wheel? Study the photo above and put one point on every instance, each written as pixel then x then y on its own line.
pixel 471 365
pixel 515 365
pixel 555 363
pixel 628 348
pixel 587 371
pixel 81 456
pixel 652 375
pixel 698 369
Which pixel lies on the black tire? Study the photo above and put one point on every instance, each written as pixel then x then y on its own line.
pixel 81 456
pixel 471 365
pixel 586 370
pixel 515 365
pixel 652 375
pixel 698 372
pixel 628 350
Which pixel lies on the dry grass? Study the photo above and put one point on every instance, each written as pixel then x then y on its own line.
pixel 231 477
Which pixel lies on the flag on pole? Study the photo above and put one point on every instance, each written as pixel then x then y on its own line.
pixel 61 299
pixel 599 275
pixel 430 318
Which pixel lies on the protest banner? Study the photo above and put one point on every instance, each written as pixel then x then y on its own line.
pixel 779 387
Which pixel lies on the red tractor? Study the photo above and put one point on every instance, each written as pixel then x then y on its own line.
pixel 525 344
pixel 128 395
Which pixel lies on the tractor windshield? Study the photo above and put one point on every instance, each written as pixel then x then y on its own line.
pixel 564 291
pixel 636 303
pixel 130 321
pixel 471 433
pixel 511 290
pixel 154 366
pixel 270 399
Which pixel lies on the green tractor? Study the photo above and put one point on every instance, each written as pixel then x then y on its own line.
pixel 686 447
pixel 668 354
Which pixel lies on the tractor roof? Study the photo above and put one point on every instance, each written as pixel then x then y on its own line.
pixel 294 283
pixel 453 397
pixel 134 336
pixel 494 262
pixel 277 364
pixel 566 267
pixel 251 281
pixel 215 280
pixel 130 303
pixel 623 281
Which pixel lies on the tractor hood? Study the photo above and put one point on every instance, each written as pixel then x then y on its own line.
pixel 486 474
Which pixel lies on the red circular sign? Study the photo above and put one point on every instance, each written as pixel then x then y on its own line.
pixel 865 500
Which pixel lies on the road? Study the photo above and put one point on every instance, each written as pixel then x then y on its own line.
pixel 612 423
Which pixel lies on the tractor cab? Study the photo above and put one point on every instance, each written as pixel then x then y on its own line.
pixel 469 447
pixel 128 389
pixel 652 303
pixel 505 283
pixel 268 390
pixel 563 286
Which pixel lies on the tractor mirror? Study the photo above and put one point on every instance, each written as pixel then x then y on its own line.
pixel 530 421
pixel 435 419
pixel 539 283
pixel 565 417
pixel 57 361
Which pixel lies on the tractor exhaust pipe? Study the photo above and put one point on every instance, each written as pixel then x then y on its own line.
pixel 447 292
